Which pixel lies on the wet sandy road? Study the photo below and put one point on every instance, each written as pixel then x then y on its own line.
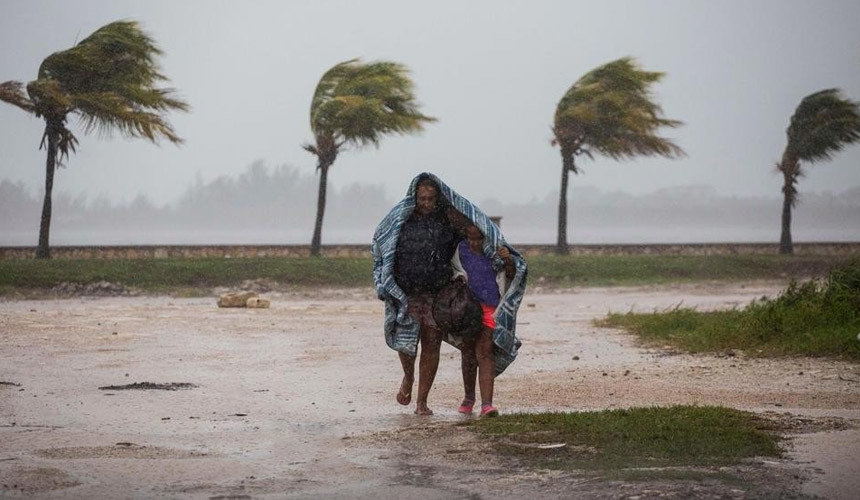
pixel 284 394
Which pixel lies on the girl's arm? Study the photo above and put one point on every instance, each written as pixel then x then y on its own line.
pixel 510 270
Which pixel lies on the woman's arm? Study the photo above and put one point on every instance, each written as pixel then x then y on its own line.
pixel 457 266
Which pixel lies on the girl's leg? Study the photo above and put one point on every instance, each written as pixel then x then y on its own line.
pixel 469 366
pixel 486 365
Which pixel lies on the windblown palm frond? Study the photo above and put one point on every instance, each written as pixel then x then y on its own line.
pixel 823 124
pixel 12 92
pixel 611 111
pixel 106 112
pixel 360 103
pixel 109 79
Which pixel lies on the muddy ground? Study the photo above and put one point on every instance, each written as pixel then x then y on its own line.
pixel 297 401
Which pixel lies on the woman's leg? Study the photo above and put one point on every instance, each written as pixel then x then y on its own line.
pixel 404 394
pixel 486 365
pixel 416 309
pixel 431 343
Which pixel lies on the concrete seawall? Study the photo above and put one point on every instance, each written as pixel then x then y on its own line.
pixel 287 251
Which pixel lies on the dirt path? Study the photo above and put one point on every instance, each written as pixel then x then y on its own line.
pixel 286 398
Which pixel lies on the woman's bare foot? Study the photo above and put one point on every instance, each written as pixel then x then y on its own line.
pixel 404 394
pixel 422 409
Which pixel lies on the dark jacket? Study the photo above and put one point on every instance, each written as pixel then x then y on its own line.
pixel 422 262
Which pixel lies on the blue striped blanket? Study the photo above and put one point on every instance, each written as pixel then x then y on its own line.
pixel 401 330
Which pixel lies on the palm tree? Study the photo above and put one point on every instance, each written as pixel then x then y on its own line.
pixel 609 111
pixel 108 81
pixel 823 124
pixel 357 103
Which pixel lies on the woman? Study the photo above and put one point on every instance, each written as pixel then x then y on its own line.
pixel 412 250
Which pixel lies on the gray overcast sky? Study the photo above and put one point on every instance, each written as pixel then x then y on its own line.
pixel 492 72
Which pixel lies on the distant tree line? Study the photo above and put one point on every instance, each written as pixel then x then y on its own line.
pixel 276 205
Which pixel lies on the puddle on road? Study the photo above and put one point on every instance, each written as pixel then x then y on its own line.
pixel 834 457
pixel 29 481
pixel 147 386
pixel 119 450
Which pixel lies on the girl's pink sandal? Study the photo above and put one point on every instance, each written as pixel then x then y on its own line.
pixel 466 406
pixel 488 411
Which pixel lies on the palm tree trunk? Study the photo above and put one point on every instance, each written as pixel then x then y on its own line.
pixel 44 250
pixel 315 242
pixel 561 247
pixel 785 245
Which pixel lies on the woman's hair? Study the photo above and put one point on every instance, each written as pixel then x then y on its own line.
pixel 427 182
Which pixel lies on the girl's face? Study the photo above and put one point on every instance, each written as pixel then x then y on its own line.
pixel 475 240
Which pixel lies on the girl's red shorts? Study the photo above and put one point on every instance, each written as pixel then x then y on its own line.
pixel 488 320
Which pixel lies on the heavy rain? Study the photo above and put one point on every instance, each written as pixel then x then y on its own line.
pixel 454 250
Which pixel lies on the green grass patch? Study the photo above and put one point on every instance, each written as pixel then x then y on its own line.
pixel 596 270
pixel 168 275
pixel 638 437
pixel 814 318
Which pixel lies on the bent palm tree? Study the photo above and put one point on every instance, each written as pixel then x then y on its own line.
pixel 108 80
pixel 609 111
pixel 357 103
pixel 823 124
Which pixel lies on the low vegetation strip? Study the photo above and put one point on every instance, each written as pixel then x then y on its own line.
pixel 253 251
pixel 161 274
pixel 815 318
pixel 664 269
pixel 637 437
pixel 157 275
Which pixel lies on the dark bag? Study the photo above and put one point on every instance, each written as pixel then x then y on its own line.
pixel 457 311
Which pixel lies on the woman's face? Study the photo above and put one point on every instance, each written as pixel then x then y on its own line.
pixel 427 198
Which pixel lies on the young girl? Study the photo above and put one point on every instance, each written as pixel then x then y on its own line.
pixel 477 353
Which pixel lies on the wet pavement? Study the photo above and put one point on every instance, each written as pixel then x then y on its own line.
pixel 280 394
